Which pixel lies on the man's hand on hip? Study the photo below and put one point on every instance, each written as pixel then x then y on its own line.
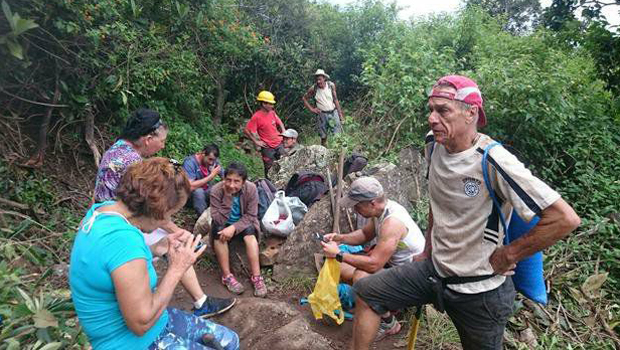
pixel 502 264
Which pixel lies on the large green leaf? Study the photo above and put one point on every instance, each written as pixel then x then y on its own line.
pixel 43 319
pixel 15 49
pixel 7 13
pixel 52 346
pixel 22 25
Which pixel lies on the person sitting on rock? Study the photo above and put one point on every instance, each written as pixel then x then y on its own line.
pixel 289 141
pixel 202 168
pixel 234 210
pixel 398 238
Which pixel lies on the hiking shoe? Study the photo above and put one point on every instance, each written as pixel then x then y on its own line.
pixel 260 289
pixel 387 329
pixel 232 284
pixel 214 306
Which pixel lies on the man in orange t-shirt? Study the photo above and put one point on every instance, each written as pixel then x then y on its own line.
pixel 265 129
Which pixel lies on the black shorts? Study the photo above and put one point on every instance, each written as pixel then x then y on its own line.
pixel 271 154
pixel 479 318
pixel 215 228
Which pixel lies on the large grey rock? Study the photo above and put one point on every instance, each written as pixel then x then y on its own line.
pixel 264 324
pixel 404 183
pixel 314 158
pixel 296 256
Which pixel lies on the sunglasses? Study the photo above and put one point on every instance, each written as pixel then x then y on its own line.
pixel 176 164
pixel 156 126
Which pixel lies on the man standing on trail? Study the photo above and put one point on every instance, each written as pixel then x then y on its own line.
pixel 398 239
pixel 464 265
pixel 330 117
pixel 265 129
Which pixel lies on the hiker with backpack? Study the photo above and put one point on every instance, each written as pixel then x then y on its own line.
pixel 464 265
pixel 201 169
pixel 234 207
pixel 328 111
pixel 398 239
pixel 265 129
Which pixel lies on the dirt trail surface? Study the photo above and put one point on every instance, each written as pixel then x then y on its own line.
pixel 277 322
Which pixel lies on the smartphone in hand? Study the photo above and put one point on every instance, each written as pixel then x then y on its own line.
pixel 200 244
pixel 318 237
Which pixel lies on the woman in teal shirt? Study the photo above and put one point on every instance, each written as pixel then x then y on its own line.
pixel 113 282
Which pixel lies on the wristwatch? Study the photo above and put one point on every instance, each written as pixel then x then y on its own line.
pixel 339 256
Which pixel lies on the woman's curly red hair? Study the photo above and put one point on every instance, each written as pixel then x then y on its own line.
pixel 153 187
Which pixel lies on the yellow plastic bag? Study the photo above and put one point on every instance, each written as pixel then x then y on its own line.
pixel 324 298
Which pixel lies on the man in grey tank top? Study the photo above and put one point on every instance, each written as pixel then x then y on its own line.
pixel 398 238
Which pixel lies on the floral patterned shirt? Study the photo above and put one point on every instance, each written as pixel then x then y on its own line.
pixel 114 163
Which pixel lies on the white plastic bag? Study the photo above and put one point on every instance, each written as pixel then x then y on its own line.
pixel 298 208
pixel 278 219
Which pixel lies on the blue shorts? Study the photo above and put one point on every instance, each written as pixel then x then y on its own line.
pixel 184 332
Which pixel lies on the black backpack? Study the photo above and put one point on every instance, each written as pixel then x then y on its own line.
pixel 354 163
pixel 307 186
pixel 266 194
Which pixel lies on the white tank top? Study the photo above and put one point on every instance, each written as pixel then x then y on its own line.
pixel 412 243
pixel 324 98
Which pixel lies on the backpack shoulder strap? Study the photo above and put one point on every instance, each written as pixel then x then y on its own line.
pixel 430 155
pixel 487 183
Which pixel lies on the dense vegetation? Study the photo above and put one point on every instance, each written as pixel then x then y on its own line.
pixel 75 69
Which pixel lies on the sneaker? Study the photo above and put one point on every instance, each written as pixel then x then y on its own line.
pixel 214 306
pixel 387 329
pixel 260 289
pixel 232 284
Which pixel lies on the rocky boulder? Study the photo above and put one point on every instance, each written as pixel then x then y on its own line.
pixel 405 184
pixel 296 255
pixel 314 158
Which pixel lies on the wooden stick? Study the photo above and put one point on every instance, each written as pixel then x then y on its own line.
pixel 331 198
pixel 349 219
pixel 14 204
pixel 339 191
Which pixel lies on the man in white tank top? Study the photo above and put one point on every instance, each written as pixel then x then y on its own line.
pixel 328 111
pixel 398 237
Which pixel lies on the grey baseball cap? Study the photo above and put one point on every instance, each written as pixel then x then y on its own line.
pixel 363 189
pixel 290 133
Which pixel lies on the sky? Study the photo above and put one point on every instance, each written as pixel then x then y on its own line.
pixel 425 7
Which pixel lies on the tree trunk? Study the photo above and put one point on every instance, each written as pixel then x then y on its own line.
pixel 220 102
pixel 89 134
pixel 36 160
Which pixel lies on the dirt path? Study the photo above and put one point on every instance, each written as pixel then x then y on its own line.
pixel 265 317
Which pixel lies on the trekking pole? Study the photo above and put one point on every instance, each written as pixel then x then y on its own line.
pixel 331 198
pixel 339 190
pixel 413 330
